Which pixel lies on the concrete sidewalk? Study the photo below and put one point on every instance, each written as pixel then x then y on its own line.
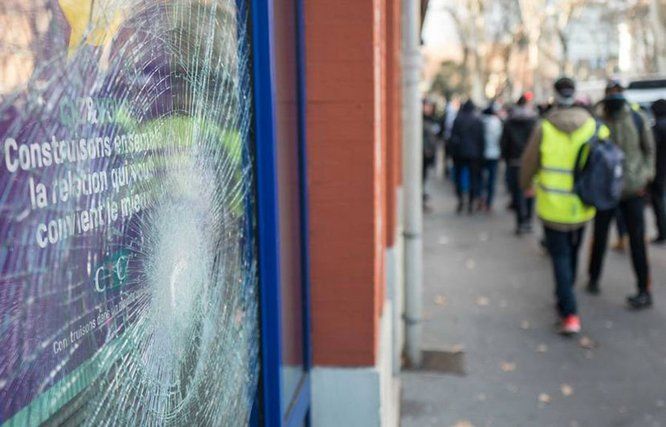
pixel 490 294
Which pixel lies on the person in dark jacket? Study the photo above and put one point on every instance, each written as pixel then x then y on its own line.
pixel 658 185
pixel 430 139
pixel 468 145
pixel 445 129
pixel 492 127
pixel 517 131
pixel 631 133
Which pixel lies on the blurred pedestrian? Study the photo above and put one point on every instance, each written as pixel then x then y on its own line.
pixel 492 127
pixel 551 156
pixel 622 241
pixel 446 128
pixel 431 130
pixel 631 132
pixel 658 185
pixel 515 136
pixel 468 145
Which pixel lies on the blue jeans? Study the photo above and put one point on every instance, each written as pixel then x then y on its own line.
pixel 489 179
pixel 473 168
pixel 563 247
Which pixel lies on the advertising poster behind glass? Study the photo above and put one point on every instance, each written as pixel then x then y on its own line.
pixel 128 260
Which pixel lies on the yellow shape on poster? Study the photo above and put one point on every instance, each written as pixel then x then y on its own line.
pixel 94 22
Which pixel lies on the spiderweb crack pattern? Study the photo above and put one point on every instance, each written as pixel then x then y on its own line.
pixel 128 276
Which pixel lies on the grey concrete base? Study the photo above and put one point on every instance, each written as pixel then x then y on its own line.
pixel 394 292
pixel 362 397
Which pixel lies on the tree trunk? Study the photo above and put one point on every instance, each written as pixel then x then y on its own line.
pixel 658 18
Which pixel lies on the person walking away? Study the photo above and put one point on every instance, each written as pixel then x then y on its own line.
pixel 492 127
pixel 517 131
pixel 550 157
pixel 622 241
pixel 468 143
pixel 631 133
pixel 430 134
pixel 658 185
pixel 446 127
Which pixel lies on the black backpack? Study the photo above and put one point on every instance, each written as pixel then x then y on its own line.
pixel 599 173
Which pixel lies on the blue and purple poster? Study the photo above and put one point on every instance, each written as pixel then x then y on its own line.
pixel 128 263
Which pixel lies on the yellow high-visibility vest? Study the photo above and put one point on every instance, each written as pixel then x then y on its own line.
pixel 556 200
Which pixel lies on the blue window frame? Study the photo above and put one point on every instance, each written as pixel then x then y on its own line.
pixel 268 410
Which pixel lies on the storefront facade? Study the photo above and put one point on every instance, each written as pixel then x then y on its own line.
pixel 199 210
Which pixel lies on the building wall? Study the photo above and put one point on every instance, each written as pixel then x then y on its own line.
pixel 344 140
pixel 354 138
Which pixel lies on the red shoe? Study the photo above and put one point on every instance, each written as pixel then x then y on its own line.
pixel 570 325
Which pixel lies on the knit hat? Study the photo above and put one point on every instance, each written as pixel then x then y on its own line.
pixel 565 87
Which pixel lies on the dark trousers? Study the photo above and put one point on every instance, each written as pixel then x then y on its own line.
pixel 632 210
pixel 621 224
pixel 474 168
pixel 523 207
pixel 563 247
pixel 489 180
pixel 657 199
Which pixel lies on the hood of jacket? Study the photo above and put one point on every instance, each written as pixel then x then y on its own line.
pixel 568 119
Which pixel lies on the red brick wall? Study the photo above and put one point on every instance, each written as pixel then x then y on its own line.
pixel 347 177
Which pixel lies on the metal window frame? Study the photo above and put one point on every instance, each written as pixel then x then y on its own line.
pixel 268 408
pixel 300 411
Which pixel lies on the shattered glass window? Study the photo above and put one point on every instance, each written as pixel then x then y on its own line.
pixel 128 276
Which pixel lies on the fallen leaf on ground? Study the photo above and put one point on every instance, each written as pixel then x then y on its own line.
pixel 609 324
pixel 508 367
pixel 525 325
pixel 566 390
pixel 544 398
pixel 470 264
pixel 587 343
pixel 463 424
pixel 458 348
pixel 440 300
pixel 482 301
pixel 542 348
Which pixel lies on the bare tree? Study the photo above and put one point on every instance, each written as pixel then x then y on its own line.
pixel 568 10
pixel 510 46
pixel 469 19
pixel 658 15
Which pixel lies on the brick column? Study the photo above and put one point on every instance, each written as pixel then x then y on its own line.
pixel 346 178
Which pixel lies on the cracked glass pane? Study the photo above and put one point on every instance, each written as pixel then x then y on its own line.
pixel 128 276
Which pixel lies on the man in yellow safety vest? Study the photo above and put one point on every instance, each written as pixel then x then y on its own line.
pixel 548 163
